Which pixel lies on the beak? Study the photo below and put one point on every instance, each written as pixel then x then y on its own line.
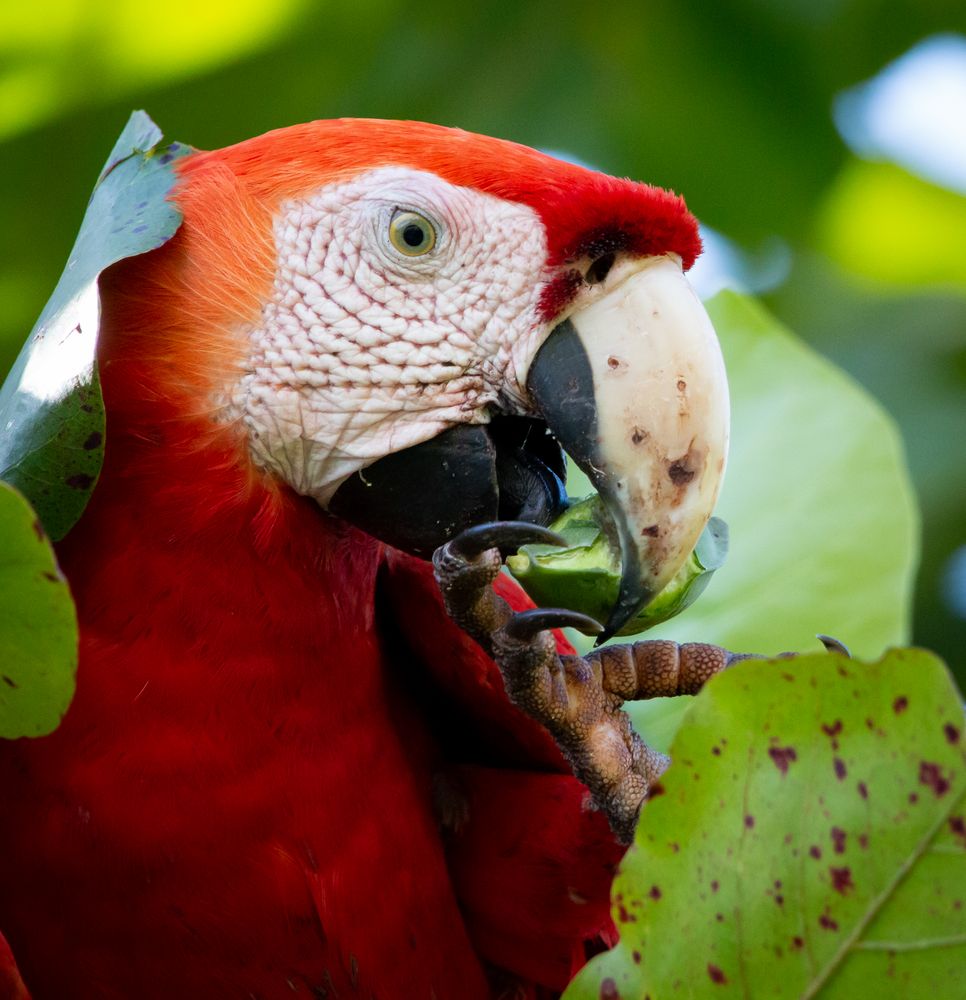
pixel 633 387
pixel 417 499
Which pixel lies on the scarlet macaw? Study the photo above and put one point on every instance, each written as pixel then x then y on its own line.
pixel 286 771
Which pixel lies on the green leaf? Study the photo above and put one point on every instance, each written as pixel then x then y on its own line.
pixel 38 626
pixel 808 840
pixel 51 411
pixel 823 529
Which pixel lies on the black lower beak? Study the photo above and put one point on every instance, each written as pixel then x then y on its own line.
pixel 417 499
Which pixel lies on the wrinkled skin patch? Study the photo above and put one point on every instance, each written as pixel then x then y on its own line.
pixel 363 351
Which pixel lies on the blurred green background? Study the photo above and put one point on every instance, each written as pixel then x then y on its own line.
pixel 822 141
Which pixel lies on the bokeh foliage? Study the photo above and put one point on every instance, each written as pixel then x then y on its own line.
pixel 728 102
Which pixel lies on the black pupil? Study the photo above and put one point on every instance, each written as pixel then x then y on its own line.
pixel 413 235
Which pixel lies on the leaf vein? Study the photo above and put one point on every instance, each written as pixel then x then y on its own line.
pixel 921 945
pixel 879 901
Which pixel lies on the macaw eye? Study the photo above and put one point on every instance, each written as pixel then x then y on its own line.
pixel 411 233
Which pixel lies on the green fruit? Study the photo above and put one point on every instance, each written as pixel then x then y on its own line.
pixel 585 576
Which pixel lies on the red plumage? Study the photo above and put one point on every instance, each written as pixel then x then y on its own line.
pixel 273 711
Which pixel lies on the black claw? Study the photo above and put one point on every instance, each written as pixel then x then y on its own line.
pixel 833 645
pixel 603 636
pixel 527 624
pixel 507 536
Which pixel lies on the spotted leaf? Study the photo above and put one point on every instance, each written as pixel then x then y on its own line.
pixel 808 840
pixel 38 627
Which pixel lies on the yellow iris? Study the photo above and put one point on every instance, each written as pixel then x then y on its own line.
pixel 412 234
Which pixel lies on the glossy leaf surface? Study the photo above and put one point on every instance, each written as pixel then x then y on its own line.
pixel 51 411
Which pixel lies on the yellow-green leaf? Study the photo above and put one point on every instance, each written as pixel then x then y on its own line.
pixel 809 840
pixel 38 626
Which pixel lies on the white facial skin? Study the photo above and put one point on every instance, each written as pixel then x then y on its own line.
pixel 362 350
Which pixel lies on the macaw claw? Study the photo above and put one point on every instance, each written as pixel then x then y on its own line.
pixel 503 535
pixel 526 624
pixel 834 645
pixel 577 699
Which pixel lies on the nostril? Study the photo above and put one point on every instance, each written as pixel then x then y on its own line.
pixel 599 269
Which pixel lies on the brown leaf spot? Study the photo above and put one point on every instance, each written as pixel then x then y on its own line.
pixel 841 879
pixel 38 529
pixel 913 798
pixel 624 916
pixel 651 531
pixel 79 481
pixel 608 990
pixel 714 885
pixel 779 899
pixel 838 839
pixel 716 975
pixel 9 681
pixel 93 440
pixel 716 751
pixel 952 733
pixel 636 955
pixel 833 730
pixel 719 917
pixel 826 922
pixel 839 765
pixel 749 821
pixel 956 824
pixel 900 704
pixel 51 577
pixel 655 790
pixel 863 841
pixel 815 851
pixel 798 943
pixel 932 776
pixel 655 892
pixel 863 790
pixel 781 757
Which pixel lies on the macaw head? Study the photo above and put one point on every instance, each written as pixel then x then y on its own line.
pixel 411 323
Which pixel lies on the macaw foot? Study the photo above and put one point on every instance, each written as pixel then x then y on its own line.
pixel 578 699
